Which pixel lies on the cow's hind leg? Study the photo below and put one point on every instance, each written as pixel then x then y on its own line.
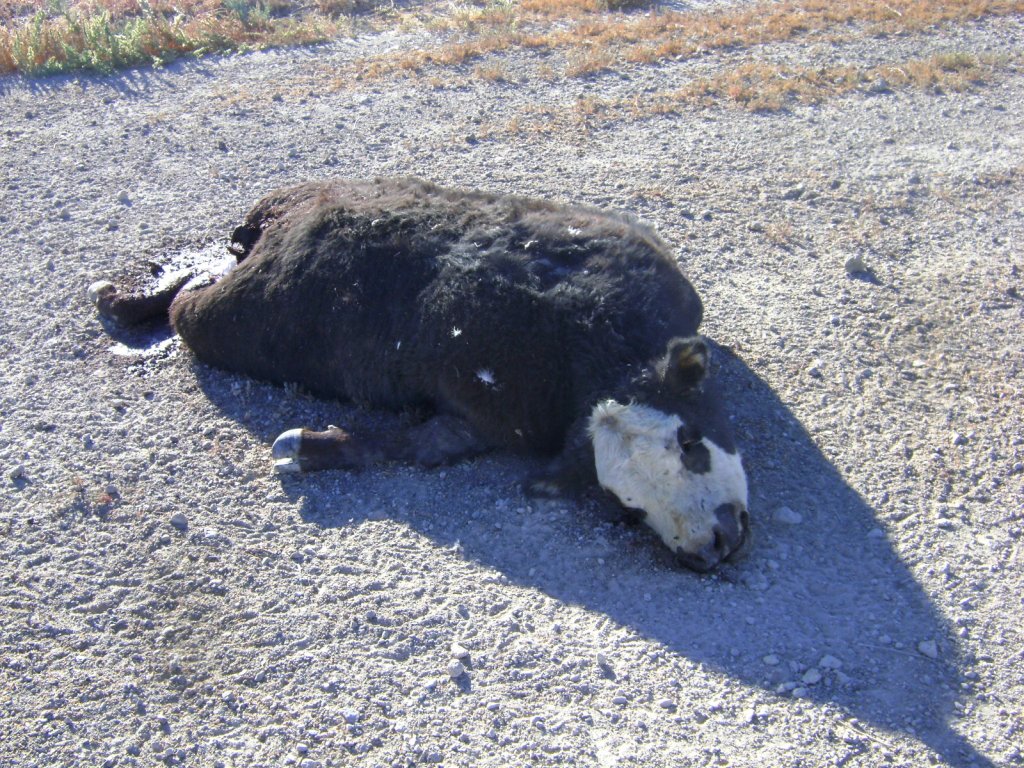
pixel 129 309
pixel 440 440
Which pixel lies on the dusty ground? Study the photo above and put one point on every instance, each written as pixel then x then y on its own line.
pixel 878 620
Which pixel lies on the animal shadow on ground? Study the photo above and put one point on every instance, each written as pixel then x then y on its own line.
pixel 825 607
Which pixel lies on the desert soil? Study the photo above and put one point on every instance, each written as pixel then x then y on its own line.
pixel 165 598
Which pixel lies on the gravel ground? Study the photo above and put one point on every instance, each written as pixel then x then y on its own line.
pixel 165 598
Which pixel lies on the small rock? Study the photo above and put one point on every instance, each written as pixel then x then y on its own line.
pixel 456 669
pixel 179 521
pixel 124 198
pixel 16 473
pixel 814 369
pixel 301 749
pixel 800 693
pixel 829 661
pixel 793 193
pixel 787 516
pixel 855 265
pixel 928 648
pixel 771 659
pixel 811 677
pixel 667 704
pixel 459 651
pixel 620 701
pixel 876 533
pixel 879 85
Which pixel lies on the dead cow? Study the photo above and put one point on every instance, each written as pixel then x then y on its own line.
pixel 517 323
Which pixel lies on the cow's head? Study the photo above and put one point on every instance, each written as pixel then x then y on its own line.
pixel 666 452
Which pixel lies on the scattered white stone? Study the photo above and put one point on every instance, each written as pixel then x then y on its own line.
pixel 667 704
pixel 800 693
pixel 16 473
pixel 811 677
pixel 814 369
pixel 771 659
pixel 828 661
pixel 459 651
pixel 179 521
pixel 928 648
pixel 123 197
pixel 620 701
pixel 787 516
pixel 456 669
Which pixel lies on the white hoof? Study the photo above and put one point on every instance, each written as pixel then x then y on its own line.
pixel 99 289
pixel 286 451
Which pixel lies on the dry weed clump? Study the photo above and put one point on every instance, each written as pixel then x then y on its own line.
pixel 60 35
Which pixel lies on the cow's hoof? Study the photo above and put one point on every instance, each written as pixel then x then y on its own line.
pixel 101 291
pixel 286 451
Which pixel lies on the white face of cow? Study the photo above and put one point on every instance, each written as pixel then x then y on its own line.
pixel 690 490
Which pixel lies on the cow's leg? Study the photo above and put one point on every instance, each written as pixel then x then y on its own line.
pixel 129 309
pixel 440 440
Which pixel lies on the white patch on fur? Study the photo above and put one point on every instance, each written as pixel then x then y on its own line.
pixel 456 332
pixel 638 458
pixel 486 376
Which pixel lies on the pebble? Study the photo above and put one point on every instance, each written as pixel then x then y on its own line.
pixel 16 473
pixel 793 193
pixel 771 659
pixel 787 516
pixel 179 521
pixel 456 669
pixel 459 651
pixel 928 648
pixel 124 198
pixel 620 701
pixel 811 677
pixel 667 704
pixel 828 661
pixel 855 265
pixel 880 85
pixel 814 369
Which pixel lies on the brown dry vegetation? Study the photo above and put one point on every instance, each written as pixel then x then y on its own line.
pixel 41 36
pixel 596 40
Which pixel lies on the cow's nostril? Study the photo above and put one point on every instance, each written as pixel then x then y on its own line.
pixel 721 545
pixel 730 529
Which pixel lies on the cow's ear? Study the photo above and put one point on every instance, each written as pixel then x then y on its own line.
pixel 685 364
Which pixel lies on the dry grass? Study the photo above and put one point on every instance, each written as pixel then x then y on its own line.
pixel 762 87
pixel 600 35
pixel 595 35
pixel 44 36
